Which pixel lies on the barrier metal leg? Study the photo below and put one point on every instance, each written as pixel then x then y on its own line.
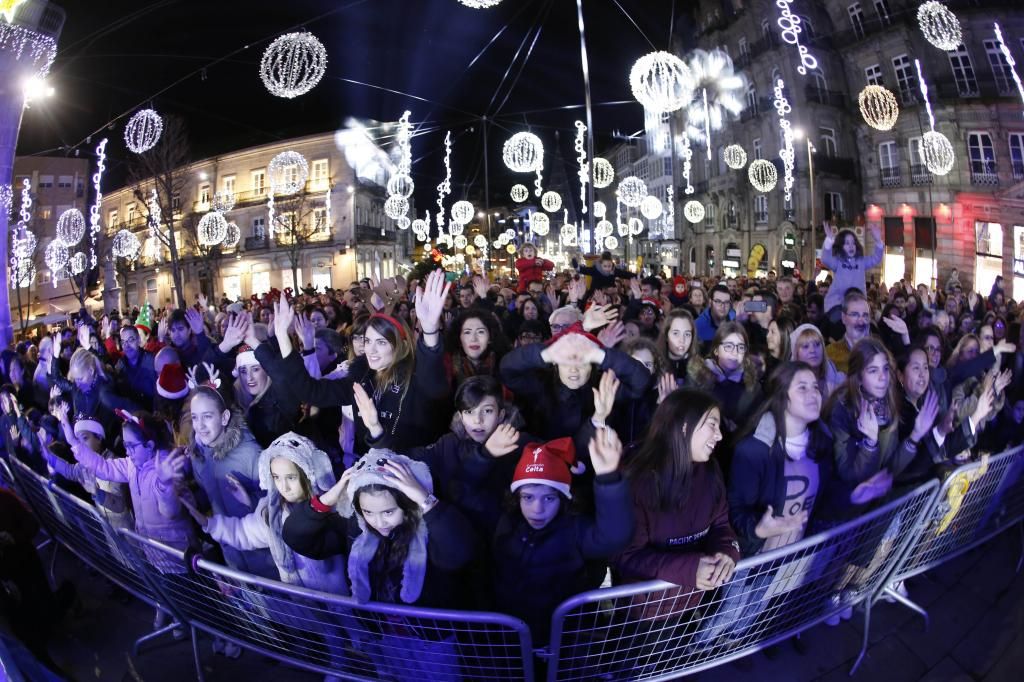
pixel 864 641
pixel 45 543
pixel 910 604
pixel 195 654
pixel 53 563
pixel 1020 561
pixel 153 635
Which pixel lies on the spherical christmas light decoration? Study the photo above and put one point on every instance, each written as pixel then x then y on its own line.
pixel 420 225
pixel 293 65
pixel 540 223
pixel 623 230
pixel 878 107
pixel 632 191
pixel 510 234
pixel 511 249
pixel 212 230
pixel 611 242
pixel 480 240
pixel 734 157
pixel 636 226
pixel 71 227
pixel 470 250
pixel 125 245
pixel 56 255
pixel 288 172
pixel 661 82
pixel 223 202
pixel 523 153
pixel 233 236
pixel 455 229
pixel 461 241
pixel 520 193
pixel 694 211
pixel 403 222
pixel 763 175
pixel 567 235
pixel 402 185
pixel 604 228
pixel 604 173
pixel 462 212
pixel 395 206
pixel 651 207
pixel 23 272
pixel 600 210
pixel 937 152
pixel 143 131
pixel 77 263
pixel 939 25
pixel 24 243
pixel 480 4
pixel 551 202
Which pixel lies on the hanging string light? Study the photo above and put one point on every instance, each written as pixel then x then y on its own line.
pixel 212 230
pixel 600 209
pixel 77 263
pixel 462 212
pixel 460 241
pixel 939 25
pixel 520 193
pixel 661 82
pixel 604 173
pixel 762 175
pixel 878 107
pixel 70 227
pixel 480 4
pixel 650 207
pixel 56 258
pixel 687 163
pixel 693 211
pixel 787 155
pixel 1009 60
pixel 935 147
pixel 395 206
pixel 155 218
pixel 583 174
pixel 670 215
pixel 604 228
pixel 734 157
pixel 792 27
pixel 223 201
pixel 611 243
pixel 551 202
pixel 143 131
pixel 293 65
pixel 631 191
pixel 233 236
pixel 455 228
pixel 403 222
pixel 445 186
pixel 288 172
pixel 124 245
pixel 635 227
pixel 523 153
pixel 540 223
pixel 94 211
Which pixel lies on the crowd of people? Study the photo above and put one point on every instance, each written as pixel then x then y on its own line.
pixel 461 442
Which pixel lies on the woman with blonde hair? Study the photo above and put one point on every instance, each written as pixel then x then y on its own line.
pixel 807 344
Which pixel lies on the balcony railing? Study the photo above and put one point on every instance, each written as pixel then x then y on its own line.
pixel 768 42
pixel 252 243
pixel 983 88
pixel 984 173
pixel 891 177
pixel 826 97
pixel 920 175
pixel 835 165
pixel 1018 170
pixel 368 233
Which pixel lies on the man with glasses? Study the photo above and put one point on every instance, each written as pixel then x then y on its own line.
pixel 857 323
pixel 563 318
pixel 718 311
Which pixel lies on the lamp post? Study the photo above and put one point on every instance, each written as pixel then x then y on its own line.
pixel 798 134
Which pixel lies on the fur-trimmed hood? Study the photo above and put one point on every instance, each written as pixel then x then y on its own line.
pixel 234 434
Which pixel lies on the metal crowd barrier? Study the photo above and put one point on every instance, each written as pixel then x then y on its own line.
pixel 650 631
pixel 331 634
pixel 7 478
pixel 658 630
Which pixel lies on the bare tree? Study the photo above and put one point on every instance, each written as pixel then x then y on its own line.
pixel 299 220
pixel 164 169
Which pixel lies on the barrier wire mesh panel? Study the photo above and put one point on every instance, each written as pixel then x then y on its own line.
pixel 326 633
pixel 658 630
pixel 7 478
pixel 38 495
pixel 976 501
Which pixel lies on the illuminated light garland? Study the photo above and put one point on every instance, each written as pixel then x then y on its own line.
pixel 540 223
pixel 461 241
pixel 94 211
pixel 462 212
pixel 924 94
pixel 523 153
pixel 650 207
pixel 520 193
pixel 143 131
pixel 762 175
pixel 734 157
pixel 631 191
pixel 23 272
pixel 661 82
pixel 223 202
pixel 24 244
pixel 444 188
pixel 480 240
pixel 70 227
pixel 155 217
pixel 782 107
pixel 939 25
pixel 604 173
pixel 878 107
pixel 124 245
pixel 624 229
pixel 718 91
pixel 670 215
pixel 1009 60
pixel 288 172
pixel 41 49
pixel 693 211
pixel 401 185
pixel 792 27
pixel 687 164
pixel 328 221
pixel 937 151
pixel 212 230
pixel 6 198
pixel 56 258
pixel 604 228
pixel 395 206
pixel 636 227
pixel 293 65
pixel 25 210
pixel 581 158
pixel 233 236
pixel 538 189
pixel 420 225
pixel 610 242
pixel 455 229
pixel 403 222
pixel 77 263
pixel 480 4
pixel 551 202
pixel 600 209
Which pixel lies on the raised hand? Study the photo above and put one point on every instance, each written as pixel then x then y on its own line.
pixel 634 289
pixel 235 332
pixel 55 392
pixel 60 411
pixel 161 328
pixel 925 416
pixel 170 467
pixel 986 400
pixel 331 497
pixel 876 232
pixel 203 302
pixel 238 490
pixel 873 488
pixel 604 396
pixel 612 334
pixel 481 286
pixel 284 317
pixel 898 325
pixel 406 482
pixel 367 410
pixel 605 451
pixel 598 316
pixel 830 230
pixel 666 384
pixel 195 321
pixel 570 349
pixel 1002 380
pixel 430 302
pixel 305 330
pixel 867 422
pixel 56 348
pixel 83 336
pixel 504 441
pixel 770 525
pixel 577 290
pixel 1004 346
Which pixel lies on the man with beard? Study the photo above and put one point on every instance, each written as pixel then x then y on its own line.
pixel 857 322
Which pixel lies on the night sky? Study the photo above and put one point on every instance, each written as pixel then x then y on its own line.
pixel 116 56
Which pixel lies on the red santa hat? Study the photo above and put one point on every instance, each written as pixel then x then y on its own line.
pixel 171 383
pixel 576 328
pixel 551 464
pixel 246 358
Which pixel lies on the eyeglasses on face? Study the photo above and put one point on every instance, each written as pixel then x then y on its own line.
pixel 730 347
